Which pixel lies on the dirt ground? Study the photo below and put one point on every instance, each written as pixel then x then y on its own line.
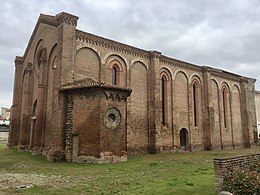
pixel 10 181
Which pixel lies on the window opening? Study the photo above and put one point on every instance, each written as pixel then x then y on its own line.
pixel 163 100
pixel 114 76
pixel 195 104
pixel 225 107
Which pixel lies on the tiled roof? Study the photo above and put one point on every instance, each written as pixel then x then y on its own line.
pixel 91 84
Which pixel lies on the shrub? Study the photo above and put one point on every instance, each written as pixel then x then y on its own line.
pixel 243 180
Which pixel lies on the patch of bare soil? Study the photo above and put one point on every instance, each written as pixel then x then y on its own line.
pixel 17 180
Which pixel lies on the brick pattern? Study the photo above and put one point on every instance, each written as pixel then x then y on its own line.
pixel 221 166
pixel 68 128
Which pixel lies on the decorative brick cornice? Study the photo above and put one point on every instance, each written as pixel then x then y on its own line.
pixel 226 75
pixel 155 54
pixel 47 19
pixel 110 44
pixel 66 18
pixel 18 61
pixel 92 84
pixel 113 95
pixel 179 63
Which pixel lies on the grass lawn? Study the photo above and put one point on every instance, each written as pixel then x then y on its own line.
pixel 174 173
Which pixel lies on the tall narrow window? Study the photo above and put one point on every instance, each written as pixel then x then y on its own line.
pixel 163 85
pixel 195 106
pixel 224 93
pixel 114 76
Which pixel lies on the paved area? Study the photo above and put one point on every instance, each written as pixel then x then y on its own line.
pixel 4 137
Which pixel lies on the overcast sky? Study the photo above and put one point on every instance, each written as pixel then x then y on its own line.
pixel 219 33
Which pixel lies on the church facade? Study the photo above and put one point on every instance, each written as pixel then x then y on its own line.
pixel 85 98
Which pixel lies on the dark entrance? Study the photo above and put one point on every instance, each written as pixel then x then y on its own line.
pixel 184 138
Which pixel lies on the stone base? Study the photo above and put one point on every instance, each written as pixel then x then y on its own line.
pixel 21 147
pixel 104 159
pixel 139 150
pixel 55 155
pixel 37 150
pixel 11 146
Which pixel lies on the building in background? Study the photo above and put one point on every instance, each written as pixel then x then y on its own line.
pixel 257 102
pixel 82 97
pixel 5 113
pixel 5 118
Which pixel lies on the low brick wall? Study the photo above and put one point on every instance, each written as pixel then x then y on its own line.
pixel 222 165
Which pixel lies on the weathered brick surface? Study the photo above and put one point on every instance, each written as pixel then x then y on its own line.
pixel 60 55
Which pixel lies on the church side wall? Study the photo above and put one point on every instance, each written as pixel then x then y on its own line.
pixel 225 128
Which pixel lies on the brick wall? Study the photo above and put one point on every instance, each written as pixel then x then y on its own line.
pixel 221 166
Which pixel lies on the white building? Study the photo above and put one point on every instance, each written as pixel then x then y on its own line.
pixel 5 113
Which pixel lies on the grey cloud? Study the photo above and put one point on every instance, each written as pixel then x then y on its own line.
pixel 219 33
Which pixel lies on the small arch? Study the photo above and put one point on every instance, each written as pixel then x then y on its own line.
pixel 111 55
pixel 79 47
pixel 168 72
pixel 87 64
pixel 195 76
pixel 39 45
pixel 214 81
pixel 54 63
pixel 116 71
pixel 225 85
pixel 235 86
pixel 184 137
pixel 53 57
pixel 181 72
pixel 133 62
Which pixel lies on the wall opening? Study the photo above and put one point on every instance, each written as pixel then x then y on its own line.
pixel 184 138
pixel 225 106
pixel 114 75
pixel 195 103
pixel 164 91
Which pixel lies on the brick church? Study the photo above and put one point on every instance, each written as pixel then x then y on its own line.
pixel 84 98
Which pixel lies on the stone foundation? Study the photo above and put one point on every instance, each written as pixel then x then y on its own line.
pixel 103 159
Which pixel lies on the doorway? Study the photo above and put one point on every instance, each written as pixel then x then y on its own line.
pixel 184 139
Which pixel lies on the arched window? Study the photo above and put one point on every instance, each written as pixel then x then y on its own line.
pixel 195 102
pixel 225 105
pixel 114 76
pixel 164 97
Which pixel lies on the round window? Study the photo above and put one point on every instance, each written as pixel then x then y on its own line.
pixel 112 118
